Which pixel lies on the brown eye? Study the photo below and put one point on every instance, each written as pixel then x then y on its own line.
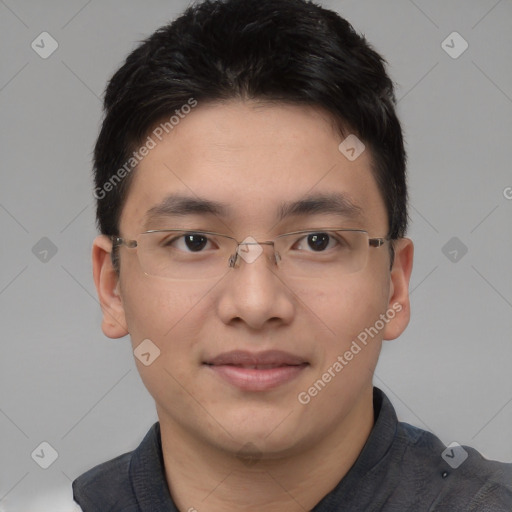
pixel 316 242
pixel 187 242
pixel 195 242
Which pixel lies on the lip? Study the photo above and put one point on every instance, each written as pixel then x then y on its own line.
pixel 256 371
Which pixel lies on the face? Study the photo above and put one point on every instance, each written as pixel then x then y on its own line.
pixel 240 354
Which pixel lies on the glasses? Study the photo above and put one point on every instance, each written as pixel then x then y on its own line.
pixel 197 255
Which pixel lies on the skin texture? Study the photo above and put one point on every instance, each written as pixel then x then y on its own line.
pixel 252 156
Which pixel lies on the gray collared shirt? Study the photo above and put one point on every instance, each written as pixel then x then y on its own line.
pixel 400 469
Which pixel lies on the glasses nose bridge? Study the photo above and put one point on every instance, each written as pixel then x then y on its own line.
pixel 234 260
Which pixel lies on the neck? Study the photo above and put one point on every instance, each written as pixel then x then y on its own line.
pixel 203 478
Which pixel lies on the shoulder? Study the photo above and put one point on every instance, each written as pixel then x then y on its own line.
pixel 114 470
pixel 458 477
pixel 110 478
pixel 110 486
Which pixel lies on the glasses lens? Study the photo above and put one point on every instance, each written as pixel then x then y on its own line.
pixel 322 254
pixel 185 255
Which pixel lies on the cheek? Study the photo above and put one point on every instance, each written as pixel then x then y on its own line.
pixel 161 311
pixel 343 309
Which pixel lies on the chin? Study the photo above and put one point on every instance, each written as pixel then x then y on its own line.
pixel 274 430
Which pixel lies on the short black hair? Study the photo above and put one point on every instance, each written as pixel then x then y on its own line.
pixel 289 51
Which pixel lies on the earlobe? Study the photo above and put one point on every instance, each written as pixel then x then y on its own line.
pixel 107 287
pixel 399 301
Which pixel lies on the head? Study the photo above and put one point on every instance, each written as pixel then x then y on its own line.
pixel 240 107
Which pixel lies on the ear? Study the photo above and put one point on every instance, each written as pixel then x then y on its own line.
pixel 107 287
pixel 399 289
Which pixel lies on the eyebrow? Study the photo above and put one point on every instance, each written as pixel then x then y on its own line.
pixel 333 203
pixel 176 205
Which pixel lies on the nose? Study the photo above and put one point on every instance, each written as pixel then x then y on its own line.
pixel 254 293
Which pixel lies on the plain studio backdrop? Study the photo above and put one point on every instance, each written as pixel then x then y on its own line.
pixel 62 382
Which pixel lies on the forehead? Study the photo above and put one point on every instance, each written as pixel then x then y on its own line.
pixel 252 163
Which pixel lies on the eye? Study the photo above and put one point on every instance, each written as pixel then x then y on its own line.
pixel 317 242
pixel 187 242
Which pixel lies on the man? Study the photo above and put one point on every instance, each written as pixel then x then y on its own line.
pixel 252 203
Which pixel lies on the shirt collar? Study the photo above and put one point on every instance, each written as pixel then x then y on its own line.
pixel 147 474
pixel 147 470
pixel 377 445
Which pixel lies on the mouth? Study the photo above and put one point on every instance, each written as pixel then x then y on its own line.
pixel 256 371
pixel 257 366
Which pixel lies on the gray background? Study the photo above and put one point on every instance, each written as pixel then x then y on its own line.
pixel 62 381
